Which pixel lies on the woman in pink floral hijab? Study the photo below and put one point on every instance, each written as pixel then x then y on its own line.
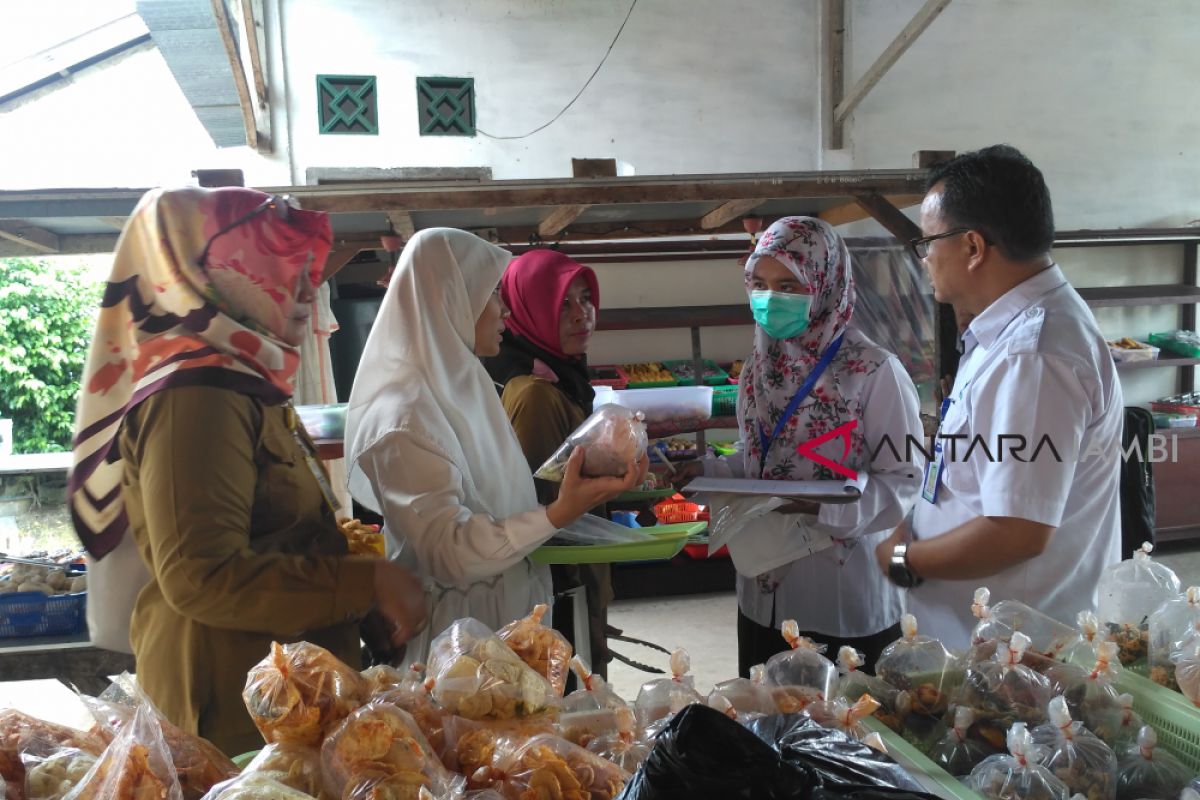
pixel 801 290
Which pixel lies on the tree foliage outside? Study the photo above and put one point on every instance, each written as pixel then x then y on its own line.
pixel 47 316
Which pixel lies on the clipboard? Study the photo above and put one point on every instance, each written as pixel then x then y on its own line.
pixel 830 491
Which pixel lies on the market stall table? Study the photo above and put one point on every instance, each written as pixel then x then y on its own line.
pixel 73 660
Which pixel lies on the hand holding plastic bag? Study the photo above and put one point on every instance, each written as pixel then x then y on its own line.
pixel 613 437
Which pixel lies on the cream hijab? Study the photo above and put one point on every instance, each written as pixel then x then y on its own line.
pixel 419 374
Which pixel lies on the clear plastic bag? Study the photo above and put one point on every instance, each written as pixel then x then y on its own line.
pixel 22 733
pixel 1145 770
pixel 613 437
pixel 1175 621
pixel 384 677
pixel 256 786
pixel 594 693
pixel 54 775
pixel 136 765
pixel 1077 756
pixel 622 747
pixel 1129 593
pixel 799 676
pixel 1090 693
pixel 477 676
pixel 744 698
pixel 381 741
pixel 1049 638
pixel 300 691
pixel 1018 775
pixel 957 752
pixel 841 715
pixel 416 701
pixel 661 699
pixel 545 650
pixel 1002 691
pixel 926 674
pixel 854 683
pixel 548 766
pixel 1187 670
pixel 1120 725
pixel 296 766
pixel 590 529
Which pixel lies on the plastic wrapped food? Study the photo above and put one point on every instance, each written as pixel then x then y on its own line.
pixel 256 786
pixel 957 752
pixel 381 741
pixel 1018 775
pixel 21 733
pixel 1076 756
pixel 623 747
pixel 926 672
pixel 384 677
pixel 1175 621
pixel 1129 593
pixel 1144 770
pixel 613 437
pixel 1049 638
pixel 853 683
pixel 661 699
pixel 594 692
pixel 801 675
pixel 743 698
pixel 300 691
pixel 296 766
pixel 840 715
pixel 416 700
pixel 477 676
pixel 1089 693
pixel 546 766
pixel 544 649
pixel 52 777
pixel 1120 725
pixel 136 766
pixel 1002 691
pixel 1187 671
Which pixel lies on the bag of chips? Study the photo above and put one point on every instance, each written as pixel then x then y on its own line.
pixel 1090 693
pixel 957 752
pixel 1129 593
pixel 547 766
pixel 1076 756
pixel 136 765
pixel 1018 775
pixel 1002 691
pixel 296 766
pixel 53 775
pixel 1145 770
pixel 544 649
pixel 613 437
pixel 1175 621
pixel 661 699
pixel 21 733
pixel 799 676
pixel 256 786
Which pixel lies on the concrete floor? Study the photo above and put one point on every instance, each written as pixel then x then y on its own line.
pixel 706 626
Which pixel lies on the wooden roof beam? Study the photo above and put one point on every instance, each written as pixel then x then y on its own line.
pixel 246 63
pixel 402 224
pixel 558 220
pixel 855 211
pixel 727 212
pixel 30 236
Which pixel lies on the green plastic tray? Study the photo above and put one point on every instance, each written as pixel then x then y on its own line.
pixel 935 779
pixel 667 542
pixel 643 495
pixel 1172 716
pixel 713 374
pixel 245 758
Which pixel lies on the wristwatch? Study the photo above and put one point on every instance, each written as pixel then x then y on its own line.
pixel 899 571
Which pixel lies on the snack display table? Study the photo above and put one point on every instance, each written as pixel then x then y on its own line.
pixel 73 660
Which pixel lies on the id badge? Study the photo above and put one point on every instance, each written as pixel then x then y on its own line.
pixel 933 475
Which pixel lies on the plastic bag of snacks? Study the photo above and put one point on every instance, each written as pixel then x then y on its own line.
pixel 1129 593
pixel 957 752
pixel 853 683
pixel 661 699
pixel 594 692
pixel 381 741
pixel 416 700
pixel 922 668
pixel 1175 621
pixel 256 786
pixel 1119 726
pixel 135 766
pixel 1018 775
pixel 53 776
pixel 1089 693
pixel 300 691
pixel 551 767
pixel 1049 638
pixel 623 747
pixel 1002 691
pixel 296 766
pixel 613 437
pixel 1145 770
pixel 383 678
pixel 544 649
pixel 1187 671
pixel 477 676
pixel 744 698
pixel 22 733
pixel 801 675
pixel 1077 756
pixel 199 764
pixel 840 715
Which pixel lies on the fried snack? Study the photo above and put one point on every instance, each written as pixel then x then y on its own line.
pixel 417 702
pixel 136 766
pixel 1132 640
pixel 545 650
pixel 295 766
pixel 383 677
pixel 651 372
pixel 300 691
pixel 19 732
pixel 257 786
pixel 477 676
pixel 53 777
pixel 382 745
pixel 549 768
pixel 363 539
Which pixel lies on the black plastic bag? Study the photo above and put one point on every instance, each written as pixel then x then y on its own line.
pixel 843 765
pixel 703 754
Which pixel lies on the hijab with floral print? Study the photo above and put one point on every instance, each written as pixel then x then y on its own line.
pixel 813 251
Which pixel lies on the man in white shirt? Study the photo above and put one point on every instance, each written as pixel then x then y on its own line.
pixel 1024 495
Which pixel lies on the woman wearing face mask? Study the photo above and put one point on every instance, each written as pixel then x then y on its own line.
pixel 811 372
pixel 430 446
pixel 188 454
pixel 542 372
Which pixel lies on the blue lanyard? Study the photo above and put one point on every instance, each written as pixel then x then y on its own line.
pixel 803 392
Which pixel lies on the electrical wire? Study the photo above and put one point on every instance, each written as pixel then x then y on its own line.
pixel 578 94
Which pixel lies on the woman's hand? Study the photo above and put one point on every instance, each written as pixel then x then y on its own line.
pixel 400 600
pixel 577 494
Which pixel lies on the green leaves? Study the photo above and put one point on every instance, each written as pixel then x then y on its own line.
pixel 47 316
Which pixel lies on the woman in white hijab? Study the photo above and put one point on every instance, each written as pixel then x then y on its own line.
pixel 430 447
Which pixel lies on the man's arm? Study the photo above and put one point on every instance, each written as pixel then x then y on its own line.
pixel 976 549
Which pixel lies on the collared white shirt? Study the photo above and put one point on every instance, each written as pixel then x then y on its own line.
pixel 1036 367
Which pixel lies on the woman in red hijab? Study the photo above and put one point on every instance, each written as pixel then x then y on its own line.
pixel 543 377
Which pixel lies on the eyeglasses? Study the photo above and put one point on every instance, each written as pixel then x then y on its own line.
pixel 281 205
pixel 921 246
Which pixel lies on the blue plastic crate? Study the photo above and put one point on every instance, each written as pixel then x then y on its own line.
pixel 35 614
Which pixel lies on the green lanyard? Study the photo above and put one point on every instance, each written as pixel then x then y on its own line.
pixel 310 457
